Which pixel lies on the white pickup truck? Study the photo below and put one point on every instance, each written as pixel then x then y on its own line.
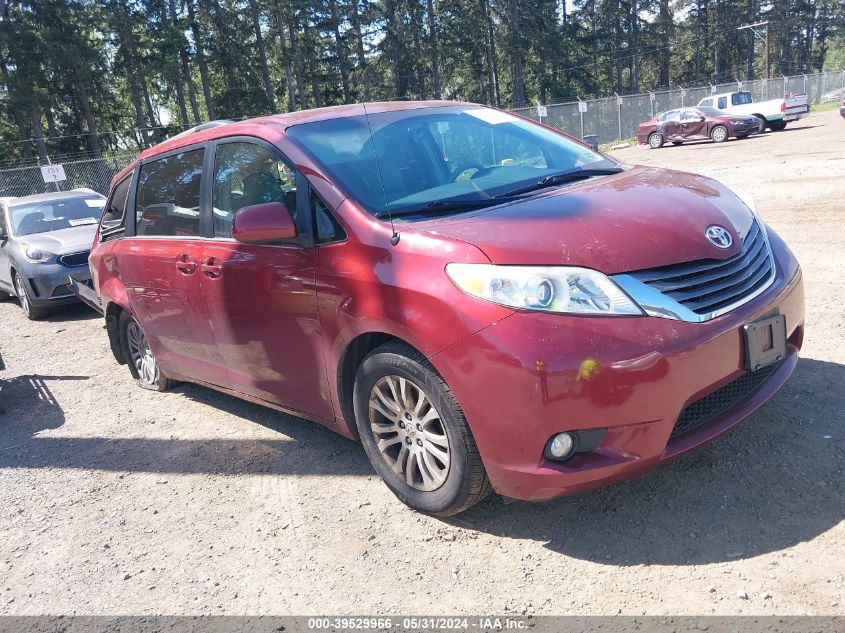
pixel 775 113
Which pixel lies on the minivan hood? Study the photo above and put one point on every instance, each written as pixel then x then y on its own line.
pixel 70 240
pixel 641 218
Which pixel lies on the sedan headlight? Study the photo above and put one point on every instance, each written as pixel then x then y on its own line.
pixel 37 256
pixel 562 289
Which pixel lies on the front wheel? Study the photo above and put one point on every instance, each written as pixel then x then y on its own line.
pixel 676 143
pixel 719 134
pixel 32 313
pixel 142 363
pixel 415 434
pixel 655 140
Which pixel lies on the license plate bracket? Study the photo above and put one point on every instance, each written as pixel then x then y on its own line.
pixel 765 342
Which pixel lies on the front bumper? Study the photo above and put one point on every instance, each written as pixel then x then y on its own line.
pixel 50 283
pixel 531 375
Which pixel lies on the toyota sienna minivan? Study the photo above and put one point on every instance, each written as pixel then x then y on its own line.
pixel 484 302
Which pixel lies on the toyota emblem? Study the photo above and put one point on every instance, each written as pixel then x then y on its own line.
pixel 718 236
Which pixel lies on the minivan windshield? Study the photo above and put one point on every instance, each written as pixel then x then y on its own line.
pixel 53 215
pixel 440 158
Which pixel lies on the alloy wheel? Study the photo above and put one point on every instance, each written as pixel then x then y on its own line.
pixel 140 354
pixel 409 433
pixel 719 134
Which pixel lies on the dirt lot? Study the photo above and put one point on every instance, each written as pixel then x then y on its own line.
pixel 114 500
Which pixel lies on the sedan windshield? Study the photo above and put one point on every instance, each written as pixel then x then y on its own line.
pixel 431 160
pixel 52 215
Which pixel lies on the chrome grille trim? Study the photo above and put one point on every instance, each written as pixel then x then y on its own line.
pixel 705 289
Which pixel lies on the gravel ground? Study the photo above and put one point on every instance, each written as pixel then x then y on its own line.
pixel 114 500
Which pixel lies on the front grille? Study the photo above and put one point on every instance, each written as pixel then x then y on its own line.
pixel 75 259
pixel 708 285
pixel 715 404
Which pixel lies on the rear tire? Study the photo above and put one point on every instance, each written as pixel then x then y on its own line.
pixel 142 363
pixel 4 296
pixel 763 123
pixel 425 452
pixel 742 135
pixel 777 126
pixel 655 140
pixel 719 134
pixel 32 312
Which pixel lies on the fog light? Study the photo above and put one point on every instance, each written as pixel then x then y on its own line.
pixel 561 446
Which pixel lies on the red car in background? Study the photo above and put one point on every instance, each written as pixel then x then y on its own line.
pixel 695 124
pixel 486 303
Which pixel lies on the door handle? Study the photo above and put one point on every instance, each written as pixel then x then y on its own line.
pixel 185 265
pixel 211 268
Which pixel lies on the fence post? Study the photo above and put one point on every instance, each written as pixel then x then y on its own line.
pixel 683 94
pixel 619 115
pixel 581 107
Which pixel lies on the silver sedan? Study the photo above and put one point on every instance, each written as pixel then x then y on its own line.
pixel 45 240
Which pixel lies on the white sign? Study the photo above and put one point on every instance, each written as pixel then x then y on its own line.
pixel 651 96
pixel 620 101
pixel 542 111
pixel 683 93
pixel 582 106
pixel 53 173
pixel 712 90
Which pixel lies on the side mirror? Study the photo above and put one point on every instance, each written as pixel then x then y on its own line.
pixel 264 223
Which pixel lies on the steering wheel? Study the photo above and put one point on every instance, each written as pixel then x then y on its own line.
pixel 461 169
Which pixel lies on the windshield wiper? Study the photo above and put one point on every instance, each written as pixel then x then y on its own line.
pixel 442 206
pixel 563 177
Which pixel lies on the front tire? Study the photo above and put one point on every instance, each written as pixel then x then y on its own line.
pixel 415 434
pixel 32 312
pixel 719 134
pixel 142 363
pixel 655 140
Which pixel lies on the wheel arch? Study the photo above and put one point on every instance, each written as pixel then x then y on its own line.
pixel 349 361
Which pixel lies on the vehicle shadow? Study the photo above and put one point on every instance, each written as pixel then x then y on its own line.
pixel 71 312
pixel 307 447
pixel 774 482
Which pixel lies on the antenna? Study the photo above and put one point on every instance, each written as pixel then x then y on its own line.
pixel 394 238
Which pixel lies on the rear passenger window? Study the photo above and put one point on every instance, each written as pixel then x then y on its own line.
pixel 168 199
pixel 723 103
pixel 247 174
pixel 116 208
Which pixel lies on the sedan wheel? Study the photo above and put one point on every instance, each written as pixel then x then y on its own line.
pixel 415 433
pixel 32 313
pixel 142 362
pixel 719 134
pixel 655 140
pixel 409 433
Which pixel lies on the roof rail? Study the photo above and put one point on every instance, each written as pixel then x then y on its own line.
pixel 202 126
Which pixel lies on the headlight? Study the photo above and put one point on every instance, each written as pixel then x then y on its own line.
pixel 36 255
pixel 563 289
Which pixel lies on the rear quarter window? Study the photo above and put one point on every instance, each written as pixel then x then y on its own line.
pixel 114 212
pixel 168 198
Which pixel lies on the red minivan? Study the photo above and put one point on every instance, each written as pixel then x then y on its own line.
pixel 486 303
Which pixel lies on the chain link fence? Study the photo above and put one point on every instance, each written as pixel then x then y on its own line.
pixel 609 119
pixel 93 173
pixel 616 118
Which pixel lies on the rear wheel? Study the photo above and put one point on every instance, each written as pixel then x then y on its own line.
pixel 655 140
pixel 763 123
pixel 777 126
pixel 742 135
pixel 32 313
pixel 4 296
pixel 719 134
pixel 415 434
pixel 142 363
